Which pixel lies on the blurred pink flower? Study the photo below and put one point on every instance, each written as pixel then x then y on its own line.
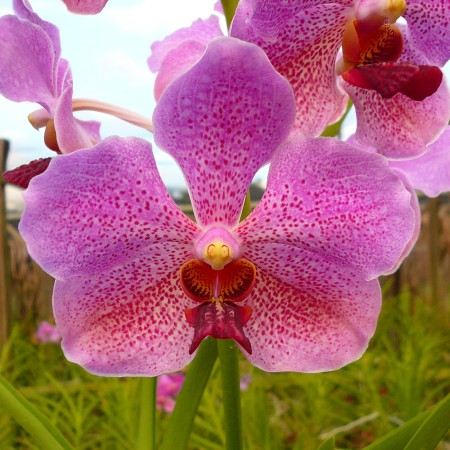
pixel 47 333
pixel 168 387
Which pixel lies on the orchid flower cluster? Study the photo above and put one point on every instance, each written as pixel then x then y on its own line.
pixel 139 285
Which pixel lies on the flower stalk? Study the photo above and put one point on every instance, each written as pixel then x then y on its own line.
pixel 146 437
pixel 229 367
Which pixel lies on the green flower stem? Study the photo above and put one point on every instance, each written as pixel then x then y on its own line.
pixel 229 8
pixel 177 433
pixel 146 437
pixel 229 367
pixel 44 433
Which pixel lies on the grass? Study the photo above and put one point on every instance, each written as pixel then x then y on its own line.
pixel 404 371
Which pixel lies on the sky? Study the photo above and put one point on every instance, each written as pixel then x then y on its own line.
pixel 108 56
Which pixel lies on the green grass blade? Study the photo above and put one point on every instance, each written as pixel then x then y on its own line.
pixel 403 435
pixel 328 444
pixel 433 428
pixel 33 421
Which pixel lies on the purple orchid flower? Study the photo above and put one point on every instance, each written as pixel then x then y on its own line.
pixel 85 6
pixel 401 103
pixel 32 70
pixel 139 285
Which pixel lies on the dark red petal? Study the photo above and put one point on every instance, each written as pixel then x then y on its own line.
pixel 220 320
pixel 233 283
pixel 424 83
pixel 388 79
pixel 22 175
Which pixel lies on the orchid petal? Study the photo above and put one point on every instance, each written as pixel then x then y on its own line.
pixel 201 31
pixel 399 127
pixel 334 201
pixel 85 6
pixel 185 55
pixel 30 77
pixel 99 207
pixel 430 173
pixel 73 134
pixel 322 323
pixel 429 28
pixel 221 121
pixel 23 10
pixel 301 40
pixel 127 321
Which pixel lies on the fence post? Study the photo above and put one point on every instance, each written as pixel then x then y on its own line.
pixel 4 251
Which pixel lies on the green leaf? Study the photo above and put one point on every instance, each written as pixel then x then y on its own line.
pixel 328 444
pixel 182 419
pixel 404 435
pixel 229 8
pixel 45 434
pixel 433 428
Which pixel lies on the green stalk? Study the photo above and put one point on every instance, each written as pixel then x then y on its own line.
pixel 44 433
pixel 146 437
pixel 229 367
pixel 229 8
pixel 198 373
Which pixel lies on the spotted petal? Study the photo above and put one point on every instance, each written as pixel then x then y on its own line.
pixel 301 40
pixel 321 320
pixel 126 321
pixel 429 28
pixel 399 127
pixel 335 202
pixel 97 208
pixel 222 120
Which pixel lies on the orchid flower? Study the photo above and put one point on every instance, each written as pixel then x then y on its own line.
pixel 32 70
pixel 385 80
pixel 139 285
pixel 168 387
pixel 85 6
pixel 401 102
pixel 47 333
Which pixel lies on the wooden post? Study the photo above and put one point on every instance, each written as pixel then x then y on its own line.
pixel 4 252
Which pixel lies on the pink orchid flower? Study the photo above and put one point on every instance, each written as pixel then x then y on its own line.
pixel 47 333
pixel 401 103
pixel 85 6
pixel 32 70
pixel 139 285
pixel 167 388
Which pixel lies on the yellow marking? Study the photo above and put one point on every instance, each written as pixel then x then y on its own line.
pixel 218 255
